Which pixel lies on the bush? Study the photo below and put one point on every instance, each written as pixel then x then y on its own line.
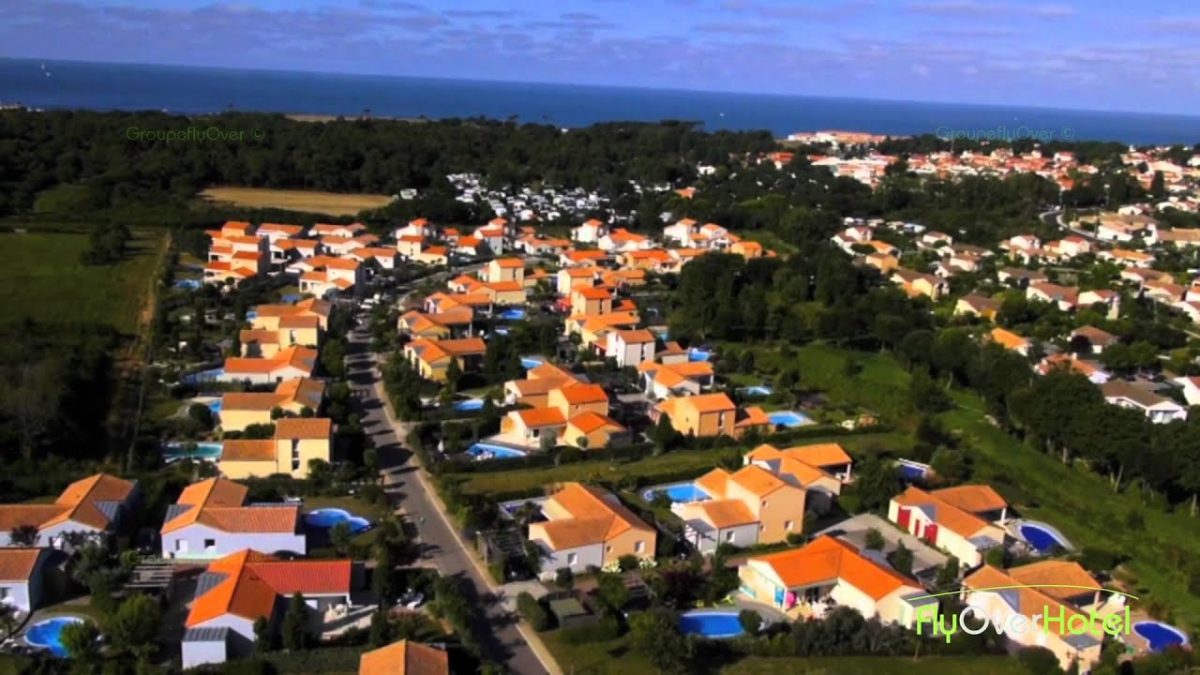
pixel 607 628
pixel 564 577
pixel 532 611
pixel 750 620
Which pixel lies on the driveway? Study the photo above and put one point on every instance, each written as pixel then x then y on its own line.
pixel 497 631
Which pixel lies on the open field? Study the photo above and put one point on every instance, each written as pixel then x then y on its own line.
pixel 325 203
pixel 43 279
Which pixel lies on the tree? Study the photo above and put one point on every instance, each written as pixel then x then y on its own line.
pixel 902 559
pixel 136 625
pixel 655 634
pixel 947 575
pixel 295 624
pixel 339 536
pixel 202 415
pixel 564 577
pixel 874 539
pixel 612 591
pixel 382 580
pixel 81 639
pixel 664 434
pixel 750 620
pixel 263 640
pixel 532 611
pixel 24 535
pixel 453 375
pixel 1038 661
pixel 381 627
pixel 8 618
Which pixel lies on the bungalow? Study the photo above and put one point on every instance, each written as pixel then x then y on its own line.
pixel 652 260
pixel 241 409
pixel 211 519
pixel 590 429
pixel 1063 297
pixel 385 258
pixel 444 302
pixel 621 240
pixel 824 467
pixel 1042 589
pixel 1018 277
pixel 297 441
pixel 701 416
pixel 21 578
pixel 630 347
pixel 1123 228
pixel 269 317
pixel 977 305
pixel 1156 408
pixel 325 276
pixel 93 507
pixel 746 507
pixel 586 526
pixel 685 378
pixel 917 284
pixel 1126 257
pixel 807 581
pixel 1009 340
pixel 1096 340
pixel 236 591
pixel 965 521
pixel 569 278
pixel 433 255
pixel 591 328
pixel 456 322
pixel 750 250
pixel 327 230
pixel 404 658
pixel 576 258
pixel 288 364
pixel 432 357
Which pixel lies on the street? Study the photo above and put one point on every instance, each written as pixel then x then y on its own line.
pixel 497 631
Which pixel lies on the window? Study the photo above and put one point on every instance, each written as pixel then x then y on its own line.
pixel 3 592
pixel 572 558
pixel 608 549
pixel 729 536
pixel 639 547
pixel 764 503
pixel 210 543
pixel 787 526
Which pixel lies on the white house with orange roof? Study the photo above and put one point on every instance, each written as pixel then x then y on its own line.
pixel 620 240
pixel 329 230
pixel 827 572
pixel 966 520
pixel 677 378
pixel 327 276
pixel 275 232
pixel 589 232
pixel 211 519
pixel 680 232
pixel 93 507
pixel 238 590
pixel 586 527
pixel 420 227
pixel 22 576
pixel 630 347
pixel 384 258
pixel 287 364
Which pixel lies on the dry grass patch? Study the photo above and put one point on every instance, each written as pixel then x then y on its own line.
pixel 308 201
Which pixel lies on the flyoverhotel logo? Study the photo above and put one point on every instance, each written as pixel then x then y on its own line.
pixel 974 621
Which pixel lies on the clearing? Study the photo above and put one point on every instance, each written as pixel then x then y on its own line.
pixel 308 201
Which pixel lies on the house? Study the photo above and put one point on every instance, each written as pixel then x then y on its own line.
pixel 567 409
pixel 966 520
pixel 1096 340
pixel 327 230
pixel 1019 277
pixel 325 276
pixel 241 409
pixel 385 258
pixel 211 520
pixel 1126 257
pixel 404 658
pixel 702 415
pixel 589 232
pixel 630 347
pixel 1156 408
pixel 22 572
pixel 746 507
pixel 677 378
pixel 977 305
pixel 288 364
pixel 621 240
pixel 1009 340
pixel 1191 389
pixel 1092 370
pixel 586 526
pixel 505 269
pixel 823 467
pixel 297 441
pixel 452 323
pixel 590 429
pixel 807 581
pixel 270 317
pixel 1042 589
pixel 93 507
pixel 1063 297
pixel 432 357
pixel 236 591
pixel 917 284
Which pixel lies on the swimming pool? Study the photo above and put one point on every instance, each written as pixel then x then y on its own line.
pixel 48 634
pixel 514 314
pixel 911 470
pixel 207 451
pixel 788 418
pixel 469 404
pixel 677 493
pixel 1160 635
pixel 710 624
pixel 215 406
pixel 531 362
pixel 190 284
pixel 327 518
pixel 1042 537
pixel 482 451
pixel 699 354
pixel 757 390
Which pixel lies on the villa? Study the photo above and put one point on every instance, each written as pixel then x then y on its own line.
pixel 296 442
pixel 1156 408
pixel 211 519
pixel 452 323
pixel 242 409
pixel 21 577
pixel 239 589
pixel 432 357
pixel 807 581
pixel 749 506
pixel 678 378
pixel 586 526
pixel 966 520
pixel 288 364
pixel 93 507
pixel 701 416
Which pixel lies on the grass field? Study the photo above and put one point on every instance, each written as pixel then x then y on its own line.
pixel 44 279
pixel 325 203
pixel 616 658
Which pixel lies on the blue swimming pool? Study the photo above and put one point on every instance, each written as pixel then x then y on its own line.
pixel 48 634
pixel 710 624
pixel 699 354
pixel 678 493
pixel 514 314
pixel 469 404
pixel 190 284
pixel 1160 635
pixel 482 451
pixel 531 362
pixel 327 518
pixel 215 406
pixel 176 451
pixel 1042 537
pixel 910 470
pixel 757 390
pixel 788 418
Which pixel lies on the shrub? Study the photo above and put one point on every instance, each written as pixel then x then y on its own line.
pixel 607 628
pixel 750 620
pixel 564 577
pixel 532 611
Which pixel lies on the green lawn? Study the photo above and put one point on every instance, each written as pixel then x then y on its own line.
pixel 43 279
pixel 650 469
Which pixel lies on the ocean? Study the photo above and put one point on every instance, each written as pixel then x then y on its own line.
pixel 103 86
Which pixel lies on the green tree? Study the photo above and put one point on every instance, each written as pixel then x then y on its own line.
pixel 81 640
pixel 902 559
pixel 295 625
pixel 135 627
pixel 874 539
pixel 750 620
pixel 24 535
pixel 381 628
pixel 263 639
pixel 532 611
pixel 655 635
pixel 339 536
pixel 612 591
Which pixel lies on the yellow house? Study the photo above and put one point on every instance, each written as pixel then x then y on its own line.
pixel 586 526
pixel 592 327
pixel 917 284
pixel 437 326
pixel 268 317
pixel 528 427
pixel 409 246
pixel 506 269
pixel 263 344
pixel 432 357
pixel 590 300
pixel 570 277
pixel 577 398
pixel 241 409
pixel 977 305
pixel 596 429
pixel 747 507
pixel 504 292
pixel 296 442
pixel 701 416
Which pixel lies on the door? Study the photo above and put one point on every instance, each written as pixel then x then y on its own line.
pixel 902 518
pixel 931 533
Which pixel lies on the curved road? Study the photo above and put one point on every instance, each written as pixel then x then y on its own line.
pixel 498 632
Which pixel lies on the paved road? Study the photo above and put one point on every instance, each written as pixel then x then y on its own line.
pixel 497 630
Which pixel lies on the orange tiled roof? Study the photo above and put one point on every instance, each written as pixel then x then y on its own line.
pixel 541 417
pixel 404 658
pixel 253 581
pixel 588 421
pixel 303 427
pixel 248 450
pixel 723 513
pixel 18 564
pixel 826 560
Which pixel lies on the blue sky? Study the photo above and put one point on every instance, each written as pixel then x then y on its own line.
pixel 1096 54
